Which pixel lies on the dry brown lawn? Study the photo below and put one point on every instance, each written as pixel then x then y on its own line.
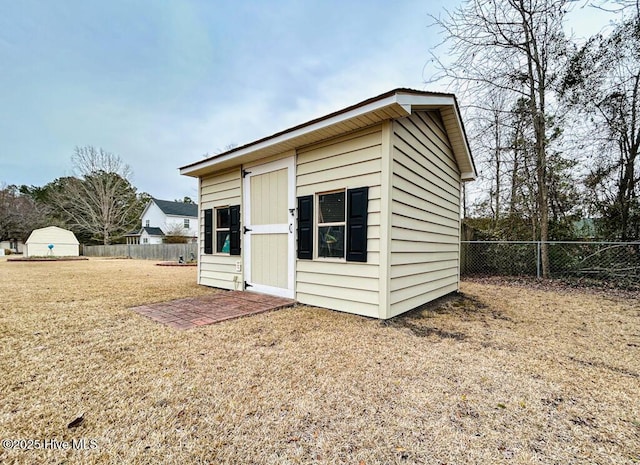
pixel 503 374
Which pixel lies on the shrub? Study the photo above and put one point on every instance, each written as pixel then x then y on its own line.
pixel 176 239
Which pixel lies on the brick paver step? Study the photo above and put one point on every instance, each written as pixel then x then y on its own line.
pixel 192 312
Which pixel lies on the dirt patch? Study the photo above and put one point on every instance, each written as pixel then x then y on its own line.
pixel 502 374
pixel 421 330
pixel 420 320
pixel 456 307
pixel 619 370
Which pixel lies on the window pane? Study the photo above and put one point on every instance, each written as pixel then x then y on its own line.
pixel 222 242
pixel 331 207
pixel 331 241
pixel 222 218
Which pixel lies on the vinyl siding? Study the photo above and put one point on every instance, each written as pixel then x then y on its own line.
pixel 425 220
pixel 350 161
pixel 219 190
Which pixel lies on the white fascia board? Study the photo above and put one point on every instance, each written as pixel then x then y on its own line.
pixel 438 101
pixel 180 216
pixel 371 107
pixel 413 100
pixel 468 176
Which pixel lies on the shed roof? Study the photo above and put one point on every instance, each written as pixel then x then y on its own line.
pixel 52 234
pixel 394 104
pixel 177 208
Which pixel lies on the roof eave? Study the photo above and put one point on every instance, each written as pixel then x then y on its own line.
pixel 456 131
pixel 389 102
pixel 395 104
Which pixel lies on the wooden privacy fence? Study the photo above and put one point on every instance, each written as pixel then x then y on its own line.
pixel 165 252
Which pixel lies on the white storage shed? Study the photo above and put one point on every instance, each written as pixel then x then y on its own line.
pixel 64 243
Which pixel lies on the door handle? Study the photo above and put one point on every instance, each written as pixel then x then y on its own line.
pixel 291 227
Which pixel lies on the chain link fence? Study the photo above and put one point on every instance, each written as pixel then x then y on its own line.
pixel 602 261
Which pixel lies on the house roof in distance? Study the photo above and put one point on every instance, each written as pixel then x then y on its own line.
pixel 152 231
pixel 394 104
pixel 177 208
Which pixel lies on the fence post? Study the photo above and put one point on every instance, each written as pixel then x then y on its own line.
pixel 538 258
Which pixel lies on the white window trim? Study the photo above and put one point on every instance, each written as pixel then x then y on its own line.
pixel 216 229
pixel 317 225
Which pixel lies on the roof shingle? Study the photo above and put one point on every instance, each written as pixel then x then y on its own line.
pixel 177 208
pixel 153 231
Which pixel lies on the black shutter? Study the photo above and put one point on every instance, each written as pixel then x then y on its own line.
pixel 357 204
pixel 305 227
pixel 208 231
pixel 234 230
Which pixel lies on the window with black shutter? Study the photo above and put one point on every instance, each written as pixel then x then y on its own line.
pixel 222 230
pixel 234 229
pixel 357 205
pixel 305 227
pixel 208 231
pixel 339 228
pixel 331 224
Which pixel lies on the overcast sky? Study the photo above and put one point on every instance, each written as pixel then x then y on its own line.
pixel 161 83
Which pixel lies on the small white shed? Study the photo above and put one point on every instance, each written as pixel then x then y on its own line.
pixel 64 243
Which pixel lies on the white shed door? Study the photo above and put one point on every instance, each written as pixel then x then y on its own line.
pixel 269 240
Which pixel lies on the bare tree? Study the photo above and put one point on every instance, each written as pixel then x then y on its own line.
pixel 7 214
pixel 602 82
pixel 512 47
pixel 19 214
pixel 100 199
pixel 176 235
pixel 489 129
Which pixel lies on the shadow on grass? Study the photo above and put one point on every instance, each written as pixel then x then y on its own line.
pixel 419 320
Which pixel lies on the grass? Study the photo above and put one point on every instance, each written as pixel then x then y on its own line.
pixel 502 374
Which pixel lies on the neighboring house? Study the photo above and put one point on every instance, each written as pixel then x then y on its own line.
pixel 162 217
pixel 150 236
pixel 15 245
pixel 357 211
pixel 39 243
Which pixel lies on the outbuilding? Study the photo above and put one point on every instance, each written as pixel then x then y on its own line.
pixel 357 211
pixel 51 241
